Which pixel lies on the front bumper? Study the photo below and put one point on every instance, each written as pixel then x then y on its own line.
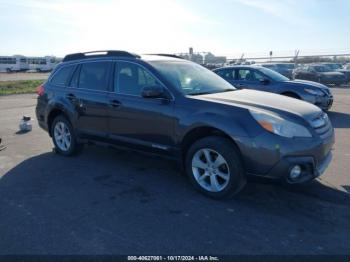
pixel 324 102
pixel 335 81
pixel 39 111
pixel 310 168
pixel 271 156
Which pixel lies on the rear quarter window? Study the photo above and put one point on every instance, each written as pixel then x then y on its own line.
pixel 62 76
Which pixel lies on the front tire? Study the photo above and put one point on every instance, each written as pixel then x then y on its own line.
pixel 215 168
pixel 64 137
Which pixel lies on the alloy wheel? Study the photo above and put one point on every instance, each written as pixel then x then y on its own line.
pixel 210 169
pixel 62 136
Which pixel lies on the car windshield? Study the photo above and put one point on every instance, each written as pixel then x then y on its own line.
pixel 273 75
pixel 270 66
pixel 321 68
pixel 191 78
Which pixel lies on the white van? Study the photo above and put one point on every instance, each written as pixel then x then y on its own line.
pixel 14 63
pixel 42 64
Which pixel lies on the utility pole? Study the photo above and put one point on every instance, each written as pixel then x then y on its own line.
pixel 241 59
pixel 296 54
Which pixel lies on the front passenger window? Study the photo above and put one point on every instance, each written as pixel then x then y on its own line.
pixel 258 76
pixel 130 79
pixel 249 75
pixel 244 75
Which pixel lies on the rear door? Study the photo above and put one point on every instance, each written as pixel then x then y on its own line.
pixel 88 91
pixel 146 122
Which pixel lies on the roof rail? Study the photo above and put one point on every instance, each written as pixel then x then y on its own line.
pixel 93 54
pixel 169 55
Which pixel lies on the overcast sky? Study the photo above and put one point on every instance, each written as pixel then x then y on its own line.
pixel 225 27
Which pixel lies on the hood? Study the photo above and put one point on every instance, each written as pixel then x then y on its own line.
pixel 252 99
pixel 284 70
pixel 332 73
pixel 304 83
pixel 341 70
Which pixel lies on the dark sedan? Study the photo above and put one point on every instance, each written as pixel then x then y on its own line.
pixel 320 73
pixel 336 67
pixel 263 79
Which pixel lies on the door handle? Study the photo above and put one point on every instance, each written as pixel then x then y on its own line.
pixel 115 103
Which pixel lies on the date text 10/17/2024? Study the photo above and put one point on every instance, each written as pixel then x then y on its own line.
pixel 173 258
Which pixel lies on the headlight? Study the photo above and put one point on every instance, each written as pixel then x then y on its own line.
pixel 315 92
pixel 279 125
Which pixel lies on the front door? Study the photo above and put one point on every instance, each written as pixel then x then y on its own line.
pixel 253 79
pixel 146 122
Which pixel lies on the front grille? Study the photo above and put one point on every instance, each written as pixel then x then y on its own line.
pixel 322 126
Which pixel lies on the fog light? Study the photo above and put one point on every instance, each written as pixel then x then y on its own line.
pixel 295 172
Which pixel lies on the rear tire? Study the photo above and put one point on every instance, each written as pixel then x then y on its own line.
pixel 214 166
pixel 64 137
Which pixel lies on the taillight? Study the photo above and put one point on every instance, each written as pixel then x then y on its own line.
pixel 40 90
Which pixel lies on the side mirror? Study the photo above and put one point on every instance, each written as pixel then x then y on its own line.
pixel 265 81
pixel 153 92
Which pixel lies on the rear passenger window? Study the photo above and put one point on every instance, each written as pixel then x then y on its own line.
pixel 62 76
pixel 94 76
pixel 228 74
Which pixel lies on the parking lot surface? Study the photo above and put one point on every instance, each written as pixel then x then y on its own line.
pixel 107 201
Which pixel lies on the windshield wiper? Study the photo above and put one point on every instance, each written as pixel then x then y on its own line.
pixel 227 90
pixel 207 93
pixel 198 94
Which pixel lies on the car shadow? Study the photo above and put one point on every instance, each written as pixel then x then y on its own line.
pixel 107 201
pixel 339 120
